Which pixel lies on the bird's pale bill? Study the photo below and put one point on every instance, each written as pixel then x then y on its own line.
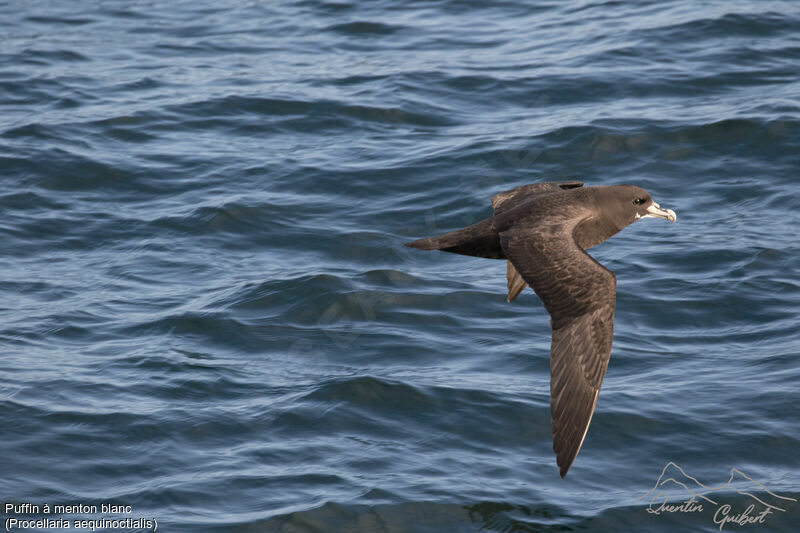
pixel 655 211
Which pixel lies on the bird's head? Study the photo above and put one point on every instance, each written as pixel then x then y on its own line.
pixel 630 203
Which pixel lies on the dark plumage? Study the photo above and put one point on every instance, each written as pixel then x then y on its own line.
pixel 543 231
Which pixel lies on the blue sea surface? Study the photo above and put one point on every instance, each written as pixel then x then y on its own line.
pixel 207 312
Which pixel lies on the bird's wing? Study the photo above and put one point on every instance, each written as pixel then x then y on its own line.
pixel 503 201
pixel 515 281
pixel 580 295
pixel 511 198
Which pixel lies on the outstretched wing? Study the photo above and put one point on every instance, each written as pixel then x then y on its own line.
pixel 503 201
pixel 510 199
pixel 580 295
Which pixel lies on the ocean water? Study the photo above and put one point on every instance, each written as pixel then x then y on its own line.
pixel 207 314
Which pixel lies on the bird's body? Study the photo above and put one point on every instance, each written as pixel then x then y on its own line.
pixel 543 230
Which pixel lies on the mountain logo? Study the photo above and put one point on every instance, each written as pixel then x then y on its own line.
pixel 674 482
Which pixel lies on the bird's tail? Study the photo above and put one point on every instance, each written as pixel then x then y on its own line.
pixel 479 240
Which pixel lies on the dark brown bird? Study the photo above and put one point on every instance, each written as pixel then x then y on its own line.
pixel 543 231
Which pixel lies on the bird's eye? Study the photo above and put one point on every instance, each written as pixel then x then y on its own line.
pixel 640 201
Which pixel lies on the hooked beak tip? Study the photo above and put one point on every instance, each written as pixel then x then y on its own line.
pixel 656 211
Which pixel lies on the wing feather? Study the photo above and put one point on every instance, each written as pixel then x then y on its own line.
pixel 511 198
pixel 503 201
pixel 515 281
pixel 580 295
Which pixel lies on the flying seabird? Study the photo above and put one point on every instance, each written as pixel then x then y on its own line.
pixel 543 230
